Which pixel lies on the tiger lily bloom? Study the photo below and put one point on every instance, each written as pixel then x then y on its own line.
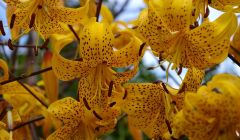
pixel 99 87
pixel 212 112
pixel 165 28
pixel 45 16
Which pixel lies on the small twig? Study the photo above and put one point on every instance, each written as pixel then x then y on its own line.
pixel 73 31
pixel 26 76
pixel 38 118
pixel 26 88
pixel 121 9
pixel 14 59
pixel 99 5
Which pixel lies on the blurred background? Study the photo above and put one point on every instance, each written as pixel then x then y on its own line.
pixel 23 61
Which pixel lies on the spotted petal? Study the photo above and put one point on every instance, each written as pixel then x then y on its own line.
pixel 68 110
pixel 66 69
pixel 145 106
pixel 208 44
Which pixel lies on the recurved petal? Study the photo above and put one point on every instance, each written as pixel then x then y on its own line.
pixel 130 53
pixel 47 25
pixel 97 47
pixel 4 68
pixel 152 30
pixel 68 110
pixel 107 15
pixel 174 13
pixel 145 107
pixel 64 133
pixel 63 68
pixel 69 15
pixel 208 44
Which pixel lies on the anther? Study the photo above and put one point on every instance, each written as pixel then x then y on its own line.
pixel 2 28
pixel 110 89
pixel 112 104
pixel 10 45
pixel 193 12
pixel 151 68
pixel 96 115
pixel 168 126
pixel 12 21
pixel 165 88
pixel 125 94
pixel 134 27
pixel 141 48
pixel 86 103
pixel 209 1
pixel 39 6
pixel 217 90
pixel 179 70
pixel 117 35
pixel 206 13
pixel 32 20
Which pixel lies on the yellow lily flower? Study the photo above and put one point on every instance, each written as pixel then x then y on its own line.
pixel 99 87
pixel 45 16
pixel 165 27
pixel 148 108
pixel 212 112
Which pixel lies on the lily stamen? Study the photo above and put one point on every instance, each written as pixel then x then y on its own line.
pixel 125 94
pixel 141 49
pixel 32 20
pixel 96 115
pixel 168 126
pixel 110 89
pixel 2 28
pixel 207 12
pixel 86 103
pixel 12 21
pixel 112 104
pixel 165 88
pixel 10 45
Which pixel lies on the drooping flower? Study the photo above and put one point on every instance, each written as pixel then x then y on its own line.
pixel 99 87
pixel 45 16
pixel 212 112
pixel 165 28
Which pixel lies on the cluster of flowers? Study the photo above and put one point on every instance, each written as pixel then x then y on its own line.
pixel 177 31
